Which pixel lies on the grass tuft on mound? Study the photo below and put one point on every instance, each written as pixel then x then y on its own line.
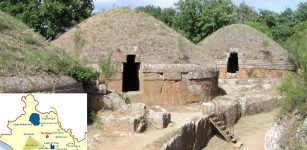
pixel 26 53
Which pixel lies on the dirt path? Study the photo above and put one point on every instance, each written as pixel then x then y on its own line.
pixel 251 131
pixel 140 141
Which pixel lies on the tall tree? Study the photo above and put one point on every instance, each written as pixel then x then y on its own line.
pixel 49 17
pixel 150 9
pixel 301 12
pixel 283 28
pixel 166 15
pixel 196 19
pixel 268 17
pixel 186 21
pixel 216 14
pixel 246 13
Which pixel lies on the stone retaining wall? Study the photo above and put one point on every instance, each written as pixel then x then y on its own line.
pixel 195 134
pixel 171 84
pixel 54 84
pixel 245 73
pixel 165 84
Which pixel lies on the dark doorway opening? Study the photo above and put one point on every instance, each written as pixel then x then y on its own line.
pixel 233 65
pixel 131 75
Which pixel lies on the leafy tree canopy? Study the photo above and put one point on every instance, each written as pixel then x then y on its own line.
pixel 196 19
pixel 49 17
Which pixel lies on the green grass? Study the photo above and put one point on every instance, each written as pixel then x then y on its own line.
pixel 265 43
pixel 107 67
pixel 29 39
pixel 294 86
pixel 78 41
pixel 26 53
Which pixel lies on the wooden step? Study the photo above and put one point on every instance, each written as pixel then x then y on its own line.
pixel 221 127
pixel 215 118
pixel 220 123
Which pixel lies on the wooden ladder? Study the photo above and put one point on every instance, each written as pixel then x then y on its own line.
pixel 220 125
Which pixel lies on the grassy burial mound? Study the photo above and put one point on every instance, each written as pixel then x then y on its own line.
pixel 252 43
pixel 124 31
pixel 133 51
pixel 27 60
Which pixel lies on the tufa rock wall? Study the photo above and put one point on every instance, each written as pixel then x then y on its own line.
pixel 56 84
pixel 171 84
pixel 193 135
pixel 246 73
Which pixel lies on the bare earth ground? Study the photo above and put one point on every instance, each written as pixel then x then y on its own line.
pixel 136 141
pixel 251 131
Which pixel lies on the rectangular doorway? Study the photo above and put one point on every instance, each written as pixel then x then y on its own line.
pixel 233 64
pixel 131 81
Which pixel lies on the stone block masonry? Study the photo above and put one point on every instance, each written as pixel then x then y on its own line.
pixel 172 84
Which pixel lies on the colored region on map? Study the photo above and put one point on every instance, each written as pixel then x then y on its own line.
pixel 36 130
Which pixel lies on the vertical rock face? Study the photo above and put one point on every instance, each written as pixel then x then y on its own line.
pixel 185 140
pixel 203 133
pixel 158 117
pixel 284 131
pixel 58 84
pixel 140 124
pixel 175 144
pixel 194 135
pixel 301 134
pixel 188 135
pixel 272 137
pixel 232 113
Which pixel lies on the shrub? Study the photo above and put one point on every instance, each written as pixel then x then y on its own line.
pixel 91 116
pixel 297 48
pixel 93 119
pixel 4 26
pixel 107 67
pixel 260 26
pixel 29 39
pixel 81 73
pixel 294 87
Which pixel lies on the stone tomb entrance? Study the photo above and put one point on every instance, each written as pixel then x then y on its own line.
pixel 233 64
pixel 131 81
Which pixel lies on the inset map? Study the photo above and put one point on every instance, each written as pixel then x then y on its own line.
pixel 43 121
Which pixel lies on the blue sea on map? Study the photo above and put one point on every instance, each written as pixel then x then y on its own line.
pixel 3 146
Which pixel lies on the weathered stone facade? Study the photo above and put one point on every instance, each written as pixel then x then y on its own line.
pixel 253 68
pixel 171 84
pixel 247 73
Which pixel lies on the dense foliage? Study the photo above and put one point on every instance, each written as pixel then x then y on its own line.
pixel 196 19
pixel 294 85
pixel 49 17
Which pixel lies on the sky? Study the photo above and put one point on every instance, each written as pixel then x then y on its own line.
pixel 274 5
